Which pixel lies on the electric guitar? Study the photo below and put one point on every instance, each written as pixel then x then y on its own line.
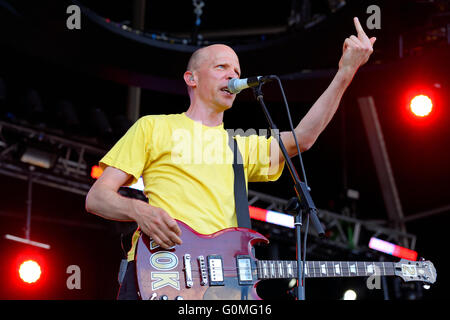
pixel 221 266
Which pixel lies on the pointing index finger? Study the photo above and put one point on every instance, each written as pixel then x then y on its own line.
pixel 361 34
pixel 358 27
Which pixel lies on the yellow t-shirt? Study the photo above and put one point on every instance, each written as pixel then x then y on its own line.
pixel 187 168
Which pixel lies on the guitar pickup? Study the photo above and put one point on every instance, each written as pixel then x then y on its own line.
pixel 215 268
pixel 244 268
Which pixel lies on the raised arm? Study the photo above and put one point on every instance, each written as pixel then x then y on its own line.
pixel 356 51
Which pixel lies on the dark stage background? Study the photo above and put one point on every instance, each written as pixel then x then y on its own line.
pixel 93 67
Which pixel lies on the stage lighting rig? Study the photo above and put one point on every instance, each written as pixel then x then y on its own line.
pixel 38 158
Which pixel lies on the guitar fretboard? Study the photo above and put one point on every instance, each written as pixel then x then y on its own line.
pixel 276 269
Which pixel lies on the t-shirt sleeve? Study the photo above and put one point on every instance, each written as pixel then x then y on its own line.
pixel 255 151
pixel 131 153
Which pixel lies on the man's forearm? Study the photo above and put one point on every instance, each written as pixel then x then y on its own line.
pixel 109 204
pixel 320 114
pixel 355 52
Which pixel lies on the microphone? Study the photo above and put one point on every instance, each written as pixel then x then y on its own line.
pixel 237 85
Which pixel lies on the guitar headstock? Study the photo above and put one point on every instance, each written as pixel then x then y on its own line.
pixel 416 271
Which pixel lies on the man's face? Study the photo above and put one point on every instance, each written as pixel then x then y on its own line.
pixel 218 65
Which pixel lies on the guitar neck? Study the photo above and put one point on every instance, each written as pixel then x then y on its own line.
pixel 275 269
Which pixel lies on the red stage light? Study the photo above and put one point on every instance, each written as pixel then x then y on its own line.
pixel 421 105
pixel 96 172
pixel 392 249
pixel 30 271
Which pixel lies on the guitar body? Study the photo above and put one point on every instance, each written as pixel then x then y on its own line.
pixel 177 273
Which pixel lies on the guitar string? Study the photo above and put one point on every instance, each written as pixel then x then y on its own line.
pixel 315 270
pixel 309 267
pixel 319 267
pixel 294 267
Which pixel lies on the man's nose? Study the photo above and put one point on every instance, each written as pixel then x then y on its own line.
pixel 231 75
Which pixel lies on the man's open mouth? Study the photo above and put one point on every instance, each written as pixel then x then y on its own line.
pixel 225 89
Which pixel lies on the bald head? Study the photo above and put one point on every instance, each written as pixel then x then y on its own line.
pixel 196 59
pixel 208 72
pixel 203 54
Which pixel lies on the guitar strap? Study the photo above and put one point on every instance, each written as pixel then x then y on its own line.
pixel 240 196
pixel 240 190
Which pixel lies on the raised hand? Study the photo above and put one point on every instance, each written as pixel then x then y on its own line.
pixel 356 49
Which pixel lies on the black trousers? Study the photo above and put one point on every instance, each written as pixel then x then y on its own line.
pixel 128 288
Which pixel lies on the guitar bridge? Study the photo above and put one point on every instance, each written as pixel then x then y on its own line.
pixel 188 270
pixel 204 274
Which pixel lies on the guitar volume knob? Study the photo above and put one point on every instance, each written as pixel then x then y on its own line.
pixel 179 298
pixel 164 297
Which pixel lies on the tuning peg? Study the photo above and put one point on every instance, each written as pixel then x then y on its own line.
pixel 426 286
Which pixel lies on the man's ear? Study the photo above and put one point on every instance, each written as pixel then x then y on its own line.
pixel 189 78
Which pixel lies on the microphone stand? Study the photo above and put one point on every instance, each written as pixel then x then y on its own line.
pixel 304 202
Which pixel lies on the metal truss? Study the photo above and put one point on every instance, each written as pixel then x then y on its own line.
pixel 339 224
pixel 69 169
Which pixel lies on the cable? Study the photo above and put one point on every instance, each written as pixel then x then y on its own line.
pixel 304 250
pixel 292 128
pixel 303 259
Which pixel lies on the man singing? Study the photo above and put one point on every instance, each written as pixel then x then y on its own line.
pixel 187 183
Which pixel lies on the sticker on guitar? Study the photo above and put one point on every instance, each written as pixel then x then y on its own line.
pixel 409 270
pixel 164 261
